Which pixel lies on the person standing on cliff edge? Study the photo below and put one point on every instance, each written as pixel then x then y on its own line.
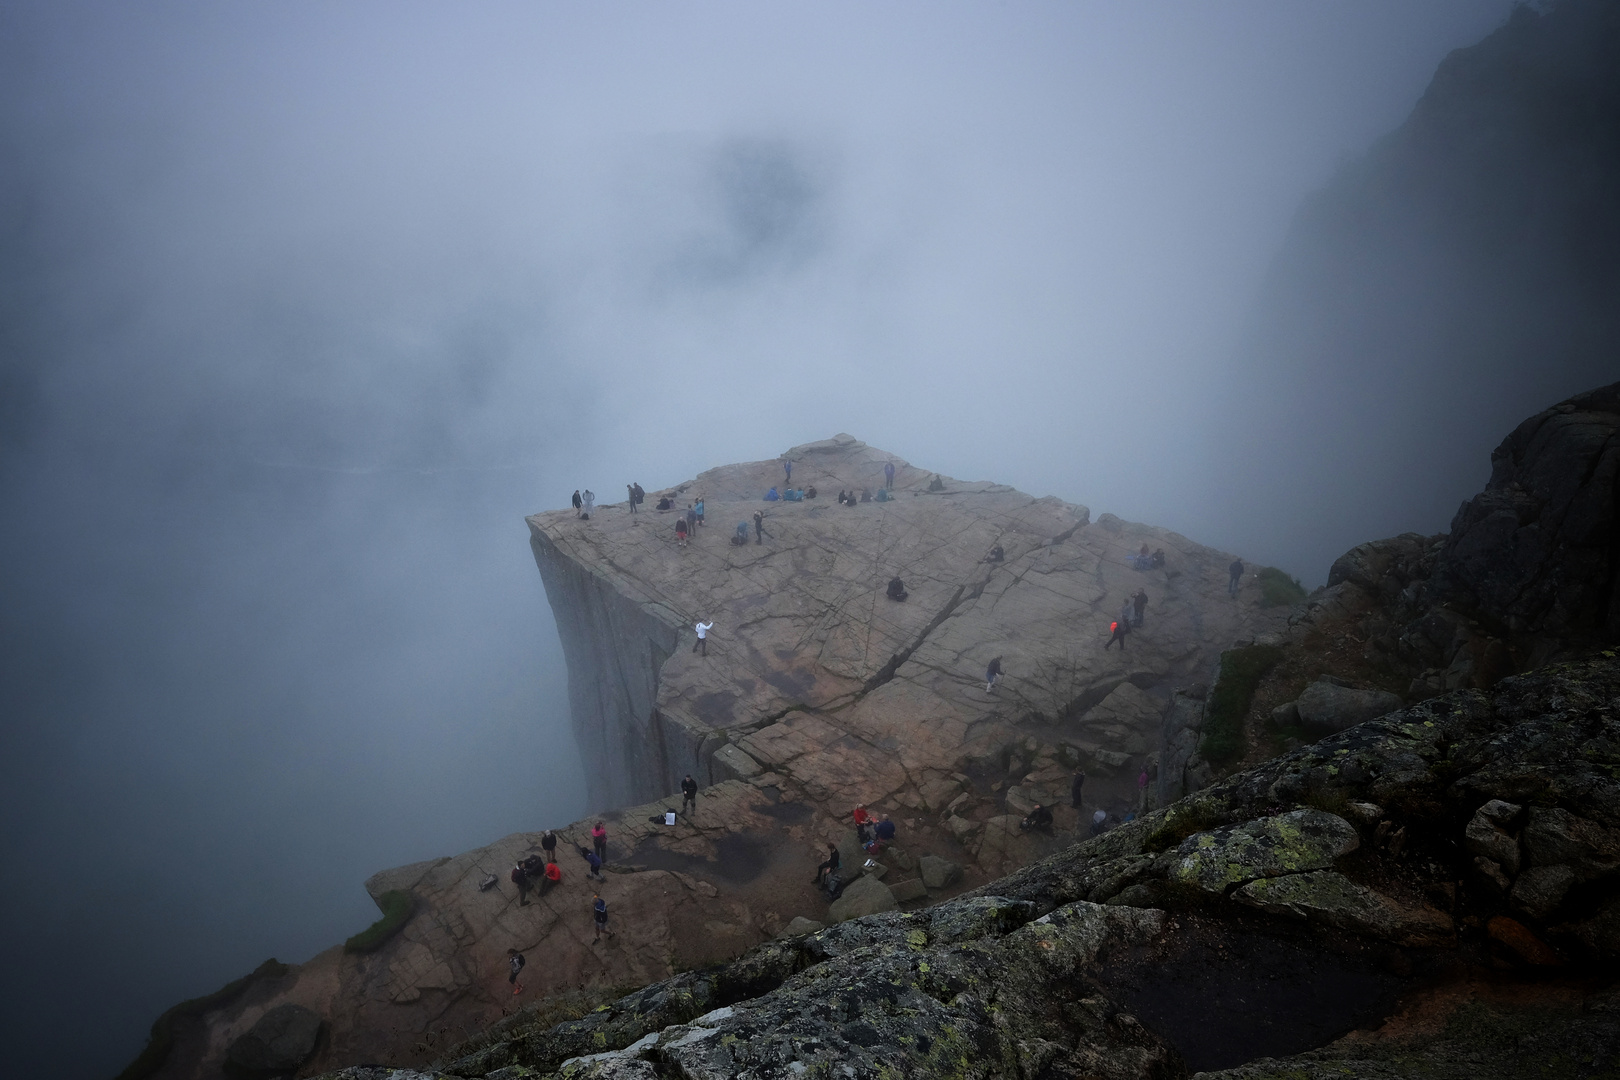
pixel 888 475
pixel 1236 570
pixel 759 527
pixel 578 502
pixel 701 646
pixel 787 467
pixel 689 793
pixel 590 501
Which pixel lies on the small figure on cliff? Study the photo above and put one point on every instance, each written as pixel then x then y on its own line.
pixel 897 589
pixel 552 875
pixel 1098 820
pixel 884 835
pixel 888 475
pixel 599 909
pixel 936 484
pixel 1142 790
pixel 578 502
pixel 1157 561
pixel 740 537
pixel 630 496
pixel 701 646
pixel 1236 570
pixel 1122 630
pixel 863 825
pixel 680 532
pixel 759 526
pixel 828 867
pixel 520 878
pixel 787 468
pixel 1077 787
pixel 1038 818
pixel 866 494
pixel 638 494
pixel 515 962
pixel 594 861
pixel 691 519
pixel 590 503
pixel 1138 606
pixel 698 507
pixel 996 555
pixel 689 791
pixel 992 675
pixel 773 496
pixel 599 840
pixel 810 492
pixel 548 844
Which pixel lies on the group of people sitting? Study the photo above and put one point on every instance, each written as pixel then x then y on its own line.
pixel 850 498
pixel 1143 560
pixel 790 494
pixel 873 833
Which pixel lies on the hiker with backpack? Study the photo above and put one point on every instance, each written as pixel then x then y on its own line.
pixel 514 962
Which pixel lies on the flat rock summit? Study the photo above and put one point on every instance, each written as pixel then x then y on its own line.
pixel 1373 831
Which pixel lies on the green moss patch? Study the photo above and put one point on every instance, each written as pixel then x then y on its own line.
pixel 397 907
pixel 1241 672
pixel 161 1040
pixel 1277 589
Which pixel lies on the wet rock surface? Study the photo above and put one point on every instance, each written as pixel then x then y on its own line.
pixel 1313 961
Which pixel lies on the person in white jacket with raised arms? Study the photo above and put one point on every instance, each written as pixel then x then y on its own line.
pixel 702 646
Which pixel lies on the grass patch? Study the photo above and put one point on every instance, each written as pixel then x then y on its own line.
pixel 1241 672
pixel 161 1040
pixel 1277 589
pixel 397 908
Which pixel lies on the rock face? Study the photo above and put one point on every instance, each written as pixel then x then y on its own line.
pixel 1330 707
pixel 1112 959
pixel 813 674
pixel 283 1039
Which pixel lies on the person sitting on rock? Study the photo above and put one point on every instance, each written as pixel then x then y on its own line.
pixel 1144 552
pixel 1157 561
pixel 828 867
pixel 551 876
pixel 1098 821
pixel 936 484
pixel 992 675
pixel 810 492
pixel 773 496
pixel 866 495
pixel 740 537
pixel 664 503
pixel 882 495
pixel 883 835
pixel 897 589
pixel 996 554
pixel 1038 818
pixel 841 496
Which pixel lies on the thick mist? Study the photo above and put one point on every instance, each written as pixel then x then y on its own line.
pixel 302 308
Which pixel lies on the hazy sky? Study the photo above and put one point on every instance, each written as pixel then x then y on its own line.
pixel 305 306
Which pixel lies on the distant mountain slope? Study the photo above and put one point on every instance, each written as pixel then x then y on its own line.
pixel 1465 272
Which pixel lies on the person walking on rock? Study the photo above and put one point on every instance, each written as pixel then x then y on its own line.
pixel 888 475
pixel 1122 630
pixel 578 502
pixel 701 646
pixel 689 791
pixel 1139 605
pixel 594 861
pixel 992 675
pixel 599 840
pixel 1077 787
pixel 759 527
pixel 514 963
pixel 680 532
pixel 1236 570
pixel 599 910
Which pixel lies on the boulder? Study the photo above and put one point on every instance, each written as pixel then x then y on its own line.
pixel 732 762
pixel 1334 900
pixel 863 896
pixel 1555 836
pixel 1485 839
pixel 1540 890
pixel 1326 706
pixel 1266 847
pixel 282 1040
pixel 937 873
pixel 908 890
pixel 800 926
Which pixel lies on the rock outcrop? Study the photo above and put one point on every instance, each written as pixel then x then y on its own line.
pixel 1245 929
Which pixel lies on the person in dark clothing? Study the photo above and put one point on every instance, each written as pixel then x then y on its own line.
pixel 888 475
pixel 866 495
pixel 599 911
pixel 936 484
pixel 1122 630
pixel 996 554
pixel 534 866
pixel 689 792
pixel 599 840
pixel 759 527
pixel 691 518
pixel 828 867
pixel 1139 605
pixel 638 493
pixel 680 532
pixel 740 536
pixel 897 589
pixel 520 878
pixel 578 502
pixel 1236 570
pixel 1038 818
pixel 514 963
pixel 1099 821
pixel 1157 561
pixel 885 830
pixel 548 844
pixel 810 492
pixel 992 675
pixel 665 503
pixel 594 861
pixel 787 467
pixel 1077 788
pixel 630 496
